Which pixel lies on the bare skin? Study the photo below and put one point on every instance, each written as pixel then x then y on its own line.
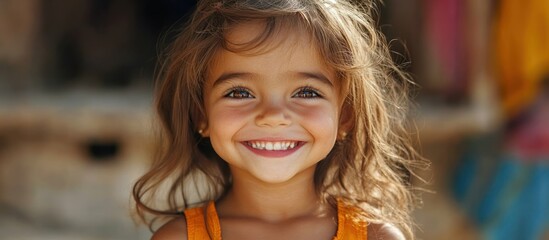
pixel 256 210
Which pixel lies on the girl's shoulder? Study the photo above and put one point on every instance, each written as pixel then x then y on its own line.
pixel 378 231
pixel 175 229
pixel 374 231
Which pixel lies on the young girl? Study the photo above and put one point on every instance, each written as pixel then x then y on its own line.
pixel 282 119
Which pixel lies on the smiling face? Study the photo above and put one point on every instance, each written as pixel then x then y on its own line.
pixel 271 115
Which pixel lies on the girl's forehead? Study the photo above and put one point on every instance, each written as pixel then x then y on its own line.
pixel 253 38
pixel 259 36
pixel 247 39
pixel 285 53
pixel 244 32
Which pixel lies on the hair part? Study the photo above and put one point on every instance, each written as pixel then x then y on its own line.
pixel 368 169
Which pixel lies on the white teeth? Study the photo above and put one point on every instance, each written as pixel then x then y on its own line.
pixel 273 146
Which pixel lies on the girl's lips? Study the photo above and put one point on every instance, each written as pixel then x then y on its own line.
pixel 291 147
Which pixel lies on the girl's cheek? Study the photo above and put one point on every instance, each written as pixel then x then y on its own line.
pixel 324 116
pixel 224 114
pixel 236 108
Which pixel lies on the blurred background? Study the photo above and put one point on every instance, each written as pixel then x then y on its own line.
pixel 76 118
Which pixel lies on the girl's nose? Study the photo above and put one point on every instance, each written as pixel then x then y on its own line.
pixel 272 115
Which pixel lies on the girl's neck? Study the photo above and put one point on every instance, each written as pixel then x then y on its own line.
pixel 269 202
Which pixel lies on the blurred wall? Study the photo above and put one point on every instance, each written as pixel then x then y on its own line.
pixel 75 113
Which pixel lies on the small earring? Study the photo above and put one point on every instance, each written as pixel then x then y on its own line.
pixel 202 128
pixel 342 135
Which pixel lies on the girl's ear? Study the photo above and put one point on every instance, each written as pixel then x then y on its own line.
pixel 203 129
pixel 346 120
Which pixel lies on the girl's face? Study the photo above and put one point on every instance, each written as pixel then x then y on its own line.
pixel 271 115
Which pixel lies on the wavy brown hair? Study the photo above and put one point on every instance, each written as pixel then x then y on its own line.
pixel 369 169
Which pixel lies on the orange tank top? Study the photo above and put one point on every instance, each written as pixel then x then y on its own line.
pixel 203 223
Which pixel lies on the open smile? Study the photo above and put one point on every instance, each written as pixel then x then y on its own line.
pixel 273 148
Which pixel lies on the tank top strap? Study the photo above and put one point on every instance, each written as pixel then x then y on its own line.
pixel 349 227
pixel 203 223
pixel 212 220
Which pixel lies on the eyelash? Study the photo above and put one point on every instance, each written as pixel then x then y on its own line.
pixel 304 92
pixel 231 93
pixel 309 90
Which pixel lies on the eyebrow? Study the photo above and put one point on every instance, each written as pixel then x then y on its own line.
pixel 230 75
pixel 315 75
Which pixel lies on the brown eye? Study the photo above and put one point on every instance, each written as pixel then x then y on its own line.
pixel 307 92
pixel 239 93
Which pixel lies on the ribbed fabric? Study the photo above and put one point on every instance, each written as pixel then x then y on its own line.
pixel 203 223
pixel 348 227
